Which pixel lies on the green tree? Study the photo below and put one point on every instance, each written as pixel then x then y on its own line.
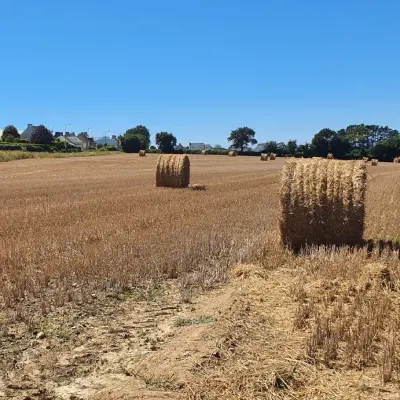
pixel 359 137
pixel 143 133
pixel 242 137
pixel 387 150
pixel 305 150
pixel 292 146
pixel 321 142
pixel 42 135
pixel 131 143
pixel 10 133
pixel 218 147
pixel 166 142
pixel 271 147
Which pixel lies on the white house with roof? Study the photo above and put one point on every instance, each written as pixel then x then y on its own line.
pixel 72 140
pixel 199 146
pixel 260 147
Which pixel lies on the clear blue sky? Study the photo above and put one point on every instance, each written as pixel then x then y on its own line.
pixel 200 68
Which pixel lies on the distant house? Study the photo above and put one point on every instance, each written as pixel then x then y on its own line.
pixel 72 140
pixel 199 146
pixel 260 147
pixel 179 147
pixel 117 142
pixel 27 133
pixel 88 142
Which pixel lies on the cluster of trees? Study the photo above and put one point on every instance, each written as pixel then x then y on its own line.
pixel 41 135
pixel 138 138
pixel 355 141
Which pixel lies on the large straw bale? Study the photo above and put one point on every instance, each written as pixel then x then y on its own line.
pixel 366 159
pixel 272 156
pixel 396 160
pixel 264 157
pixel 142 153
pixel 374 162
pixel 204 152
pixel 173 171
pixel 329 156
pixel 322 202
pixel 232 154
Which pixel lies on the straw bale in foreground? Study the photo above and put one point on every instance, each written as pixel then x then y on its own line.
pixel 322 202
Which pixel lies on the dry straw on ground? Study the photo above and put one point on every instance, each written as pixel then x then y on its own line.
pixel 142 153
pixel 173 171
pixel 198 186
pixel 322 202
pixel 329 156
pixel 374 162
pixel 396 160
pixel 264 157
pixel 272 156
pixel 232 154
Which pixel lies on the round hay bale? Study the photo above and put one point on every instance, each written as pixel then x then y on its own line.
pixel 396 160
pixel 264 157
pixel 272 156
pixel 329 156
pixel 142 153
pixel 374 162
pixel 366 159
pixel 322 202
pixel 173 171
pixel 232 154
pixel 204 152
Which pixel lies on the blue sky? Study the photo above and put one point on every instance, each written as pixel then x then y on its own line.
pixel 200 68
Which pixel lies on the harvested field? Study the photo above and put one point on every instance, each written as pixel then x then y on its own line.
pixel 113 288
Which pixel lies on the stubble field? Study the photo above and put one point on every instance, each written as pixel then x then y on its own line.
pixel 99 269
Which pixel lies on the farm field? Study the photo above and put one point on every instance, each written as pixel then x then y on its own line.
pixel 112 288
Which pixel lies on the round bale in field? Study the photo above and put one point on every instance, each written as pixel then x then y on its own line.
pixel 322 202
pixel 264 157
pixel 173 171
pixel 232 154
pixel 204 152
pixel 329 156
pixel 374 162
pixel 272 156
pixel 142 153
pixel 396 160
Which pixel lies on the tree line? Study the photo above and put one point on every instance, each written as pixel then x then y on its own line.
pixel 355 141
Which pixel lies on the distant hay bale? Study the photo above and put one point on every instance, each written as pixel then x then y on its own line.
pixel 329 156
pixel 173 171
pixel 272 156
pixel 396 160
pixel 322 202
pixel 142 153
pixel 198 186
pixel 366 159
pixel 374 162
pixel 232 154
pixel 317 158
pixel 203 152
pixel 264 157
